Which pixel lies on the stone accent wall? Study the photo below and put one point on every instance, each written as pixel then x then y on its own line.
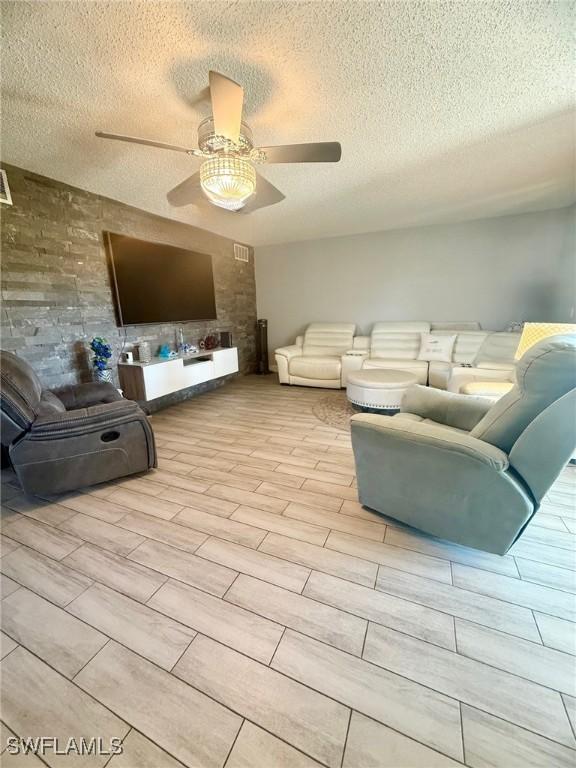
pixel 56 288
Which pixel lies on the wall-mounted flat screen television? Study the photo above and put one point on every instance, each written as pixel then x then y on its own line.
pixel 155 283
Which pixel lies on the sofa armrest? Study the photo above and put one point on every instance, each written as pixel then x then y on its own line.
pixel 353 360
pixel 289 352
pixel 283 356
pixel 442 440
pixel 84 395
pixel 447 408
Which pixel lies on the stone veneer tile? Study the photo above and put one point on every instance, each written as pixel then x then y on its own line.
pixel 56 289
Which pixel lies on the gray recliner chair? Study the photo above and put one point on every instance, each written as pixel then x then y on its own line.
pixel 464 469
pixel 72 437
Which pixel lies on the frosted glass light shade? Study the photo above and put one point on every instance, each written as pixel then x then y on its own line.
pixel 228 181
pixel 535 332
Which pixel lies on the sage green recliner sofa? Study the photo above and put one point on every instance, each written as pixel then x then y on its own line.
pixel 466 470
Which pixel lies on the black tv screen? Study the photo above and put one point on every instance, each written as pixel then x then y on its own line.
pixel 156 283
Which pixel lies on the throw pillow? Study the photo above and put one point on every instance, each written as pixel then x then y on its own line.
pixel 436 347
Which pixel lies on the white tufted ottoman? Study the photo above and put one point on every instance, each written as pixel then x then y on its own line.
pixel 378 388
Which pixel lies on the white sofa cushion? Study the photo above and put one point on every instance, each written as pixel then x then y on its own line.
pixel 493 390
pixel 498 348
pixel 319 367
pixel 436 347
pixel 399 341
pixel 417 367
pixel 328 339
pixel 461 376
pixel 466 346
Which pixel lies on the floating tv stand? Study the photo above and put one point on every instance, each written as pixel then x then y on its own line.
pixel 163 376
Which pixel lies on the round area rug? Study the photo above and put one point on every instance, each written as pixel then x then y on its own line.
pixel 335 410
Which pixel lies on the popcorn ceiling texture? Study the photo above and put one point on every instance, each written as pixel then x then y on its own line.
pixel 56 292
pixel 446 111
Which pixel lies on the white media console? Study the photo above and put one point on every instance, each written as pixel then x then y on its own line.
pixel 163 376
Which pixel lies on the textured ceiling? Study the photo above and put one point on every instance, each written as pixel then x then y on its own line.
pixel 445 110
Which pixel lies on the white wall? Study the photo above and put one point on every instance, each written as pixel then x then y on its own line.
pixel 492 270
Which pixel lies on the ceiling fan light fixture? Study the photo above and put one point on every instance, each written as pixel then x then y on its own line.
pixel 227 177
pixel 228 181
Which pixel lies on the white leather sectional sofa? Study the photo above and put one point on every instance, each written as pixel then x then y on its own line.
pixel 328 352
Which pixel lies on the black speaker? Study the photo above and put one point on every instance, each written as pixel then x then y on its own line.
pixel 262 347
pixel 225 339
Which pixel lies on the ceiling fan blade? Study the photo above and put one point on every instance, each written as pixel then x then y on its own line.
pixel 188 192
pixel 227 99
pixel 266 195
pixel 147 142
pixel 319 152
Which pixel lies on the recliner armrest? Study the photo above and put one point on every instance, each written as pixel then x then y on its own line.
pixel 289 352
pixel 84 395
pixel 433 437
pixel 84 419
pixel 448 408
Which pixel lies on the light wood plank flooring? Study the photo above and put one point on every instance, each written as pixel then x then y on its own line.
pixel 238 607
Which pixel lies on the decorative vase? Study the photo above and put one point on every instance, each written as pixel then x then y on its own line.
pixel 144 353
pixel 104 375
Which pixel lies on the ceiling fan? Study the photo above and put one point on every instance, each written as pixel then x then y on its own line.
pixel 227 177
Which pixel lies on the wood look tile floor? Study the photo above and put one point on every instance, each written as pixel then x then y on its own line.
pixel 238 607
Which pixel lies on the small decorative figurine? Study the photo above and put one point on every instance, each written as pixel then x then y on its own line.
pixel 210 342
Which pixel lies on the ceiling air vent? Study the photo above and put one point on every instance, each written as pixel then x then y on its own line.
pixel 241 252
pixel 5 196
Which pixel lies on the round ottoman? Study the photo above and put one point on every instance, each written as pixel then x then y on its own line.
pixel 378 388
